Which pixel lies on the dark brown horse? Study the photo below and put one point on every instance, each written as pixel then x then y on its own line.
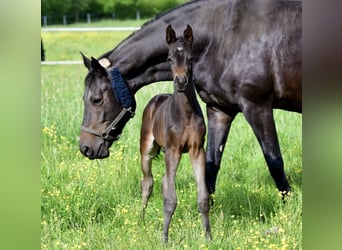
pixel 247 58
pixel 175 122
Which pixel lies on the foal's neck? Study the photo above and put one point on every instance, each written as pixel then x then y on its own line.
pixel 187 99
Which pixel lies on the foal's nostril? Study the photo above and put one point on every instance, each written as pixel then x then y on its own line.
pixel 181 79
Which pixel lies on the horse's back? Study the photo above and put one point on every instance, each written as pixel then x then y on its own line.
pixel 256 55
pixel 270 57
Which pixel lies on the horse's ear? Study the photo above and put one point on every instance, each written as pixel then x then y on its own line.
pixel 188 35
pixel 86 61
pixel 170 35
pixel 96 66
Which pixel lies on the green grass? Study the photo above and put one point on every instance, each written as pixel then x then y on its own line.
pixel 89 43
pixel 96 204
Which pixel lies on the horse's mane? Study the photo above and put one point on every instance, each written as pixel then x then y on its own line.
pixel 237 6
pixel 160 15
pixel 156 18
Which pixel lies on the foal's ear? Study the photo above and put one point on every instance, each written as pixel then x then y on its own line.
pixel 170 35
pixel 86 61
pixel 96 66
pixel 188 36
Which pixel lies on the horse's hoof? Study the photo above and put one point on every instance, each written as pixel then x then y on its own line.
pixel 285 195
pixel 211 200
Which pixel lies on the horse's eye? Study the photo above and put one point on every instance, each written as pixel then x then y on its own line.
pixel 96 100
pixel 169 60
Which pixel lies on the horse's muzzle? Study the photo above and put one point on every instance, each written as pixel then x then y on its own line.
pixel 97 151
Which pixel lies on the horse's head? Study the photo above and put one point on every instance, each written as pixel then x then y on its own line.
pixel 180 57
pixel 108 105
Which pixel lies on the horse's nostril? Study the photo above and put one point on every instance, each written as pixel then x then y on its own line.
pixel 86 151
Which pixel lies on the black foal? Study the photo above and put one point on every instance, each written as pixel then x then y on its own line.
pixel 175 122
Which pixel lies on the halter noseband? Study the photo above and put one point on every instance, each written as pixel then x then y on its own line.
pixel 125 99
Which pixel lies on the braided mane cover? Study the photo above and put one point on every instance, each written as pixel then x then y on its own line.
pixel 121 89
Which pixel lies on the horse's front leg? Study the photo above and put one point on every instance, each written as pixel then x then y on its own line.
pixel 218 128
pixel 197 157
pixel 172 158
pixel 260 117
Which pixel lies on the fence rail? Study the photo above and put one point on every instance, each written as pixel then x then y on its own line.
pixel 81 29
pixel 60 62
pixel 86 29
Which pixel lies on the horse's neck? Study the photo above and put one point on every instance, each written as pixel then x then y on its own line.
pixel 141 52
pixel 142 57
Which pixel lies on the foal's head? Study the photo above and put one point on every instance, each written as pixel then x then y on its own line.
pixel 180 57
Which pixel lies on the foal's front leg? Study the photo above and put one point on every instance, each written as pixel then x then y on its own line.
pixel 172 158
pixel 197 158
pixel 148 150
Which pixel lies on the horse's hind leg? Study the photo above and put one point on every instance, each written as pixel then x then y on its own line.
pixel 148 150
pixel 218 128
pixel 172 158
pixel 198 164
pixel 260 117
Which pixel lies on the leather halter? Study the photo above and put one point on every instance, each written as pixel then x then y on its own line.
pixel 124 98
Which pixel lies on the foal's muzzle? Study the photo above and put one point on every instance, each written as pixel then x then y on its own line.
pixel 181 82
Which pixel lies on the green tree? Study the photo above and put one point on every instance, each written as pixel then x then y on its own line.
pixel 108 6
pixel 55 7
pixel 123 9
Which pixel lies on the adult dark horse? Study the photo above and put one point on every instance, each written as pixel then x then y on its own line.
pixel 175 122
pixel 247 58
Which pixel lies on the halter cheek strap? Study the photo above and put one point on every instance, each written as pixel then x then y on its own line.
pixel 124 98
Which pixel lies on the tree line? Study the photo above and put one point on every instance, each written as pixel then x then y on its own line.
pixel 77 10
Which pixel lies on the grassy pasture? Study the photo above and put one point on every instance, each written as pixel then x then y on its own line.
pixel 96 204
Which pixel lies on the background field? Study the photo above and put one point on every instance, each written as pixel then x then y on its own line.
pixel 96 204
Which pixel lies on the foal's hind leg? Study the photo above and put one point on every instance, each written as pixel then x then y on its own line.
pixel 172 158
pixel 148 150
pixel 198 164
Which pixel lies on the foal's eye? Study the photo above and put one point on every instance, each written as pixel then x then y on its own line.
pixel 96 100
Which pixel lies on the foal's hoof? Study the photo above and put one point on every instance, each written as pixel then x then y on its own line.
pixel 142 216
pixel 208 237
pixel 165 239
